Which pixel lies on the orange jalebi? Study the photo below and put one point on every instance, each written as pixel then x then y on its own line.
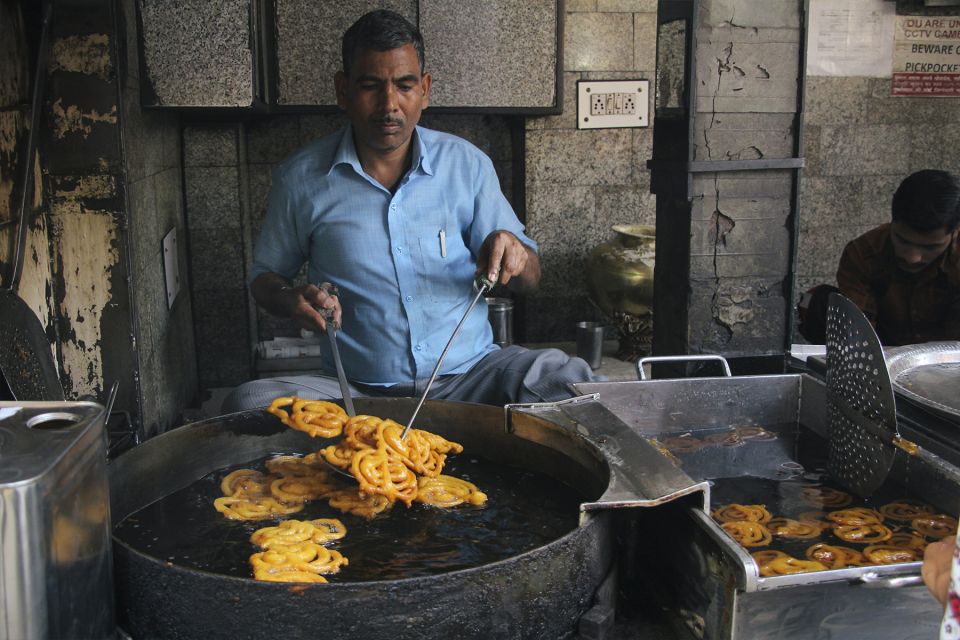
pixel 905 510
pixel 889 554
pixel 786 565
pixel 742 512
pixel 935 526
pixel 447 491
pixel 788 528
pixel 833 556
pixel 855 516
pixel 863 533
pixel 748 534
pixel 825 497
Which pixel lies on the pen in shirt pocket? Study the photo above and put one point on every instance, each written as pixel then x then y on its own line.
pixel 443 244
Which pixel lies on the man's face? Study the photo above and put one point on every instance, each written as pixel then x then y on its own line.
pixel 384 96
pixel 914 250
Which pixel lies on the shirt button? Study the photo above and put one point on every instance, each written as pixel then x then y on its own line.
pixel 399 249
pixel 393 207
pixel 418 348
pixel 409 298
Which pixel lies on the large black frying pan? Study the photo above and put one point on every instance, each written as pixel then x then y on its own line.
pixel 26 362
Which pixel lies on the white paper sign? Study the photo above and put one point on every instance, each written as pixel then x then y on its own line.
pixel 926 58
pixel 850 38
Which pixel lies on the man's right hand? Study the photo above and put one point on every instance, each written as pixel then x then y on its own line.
pixel 302 303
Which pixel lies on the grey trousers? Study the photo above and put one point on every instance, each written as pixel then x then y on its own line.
pixel 510 375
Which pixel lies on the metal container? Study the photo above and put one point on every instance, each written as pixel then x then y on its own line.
pixel 540 593
pixel 711 583
pixel 500 312
pixel 56 572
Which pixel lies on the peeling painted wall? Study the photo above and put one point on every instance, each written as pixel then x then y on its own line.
pixel 85 241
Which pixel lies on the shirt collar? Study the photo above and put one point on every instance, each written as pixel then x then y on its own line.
pixel 347 153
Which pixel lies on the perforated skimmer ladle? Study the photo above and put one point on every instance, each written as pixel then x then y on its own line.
pixel 863 435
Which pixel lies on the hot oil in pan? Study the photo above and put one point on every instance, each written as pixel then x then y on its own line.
pixel 524 510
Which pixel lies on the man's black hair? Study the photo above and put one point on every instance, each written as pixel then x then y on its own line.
pixel 928 200
pixel 380 30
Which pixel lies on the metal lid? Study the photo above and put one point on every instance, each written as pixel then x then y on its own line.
pixel 35 435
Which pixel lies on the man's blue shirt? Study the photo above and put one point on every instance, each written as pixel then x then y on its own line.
pixel 404 262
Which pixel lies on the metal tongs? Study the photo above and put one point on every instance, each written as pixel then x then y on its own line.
pixel 482 284
pixel 331 290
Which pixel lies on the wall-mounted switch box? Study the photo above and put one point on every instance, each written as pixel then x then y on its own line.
pixel 171 266
pixel 605 104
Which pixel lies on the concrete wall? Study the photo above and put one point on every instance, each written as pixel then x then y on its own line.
pixel 164 335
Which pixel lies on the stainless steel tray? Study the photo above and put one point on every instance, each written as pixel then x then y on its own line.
pixel 929 375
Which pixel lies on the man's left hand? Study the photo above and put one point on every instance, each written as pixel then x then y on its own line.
pixel 503 258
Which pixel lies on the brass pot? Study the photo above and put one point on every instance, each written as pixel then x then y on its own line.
pixel 620 271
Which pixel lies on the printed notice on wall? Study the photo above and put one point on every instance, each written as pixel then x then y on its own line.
pixel 850 38
pixel 926 57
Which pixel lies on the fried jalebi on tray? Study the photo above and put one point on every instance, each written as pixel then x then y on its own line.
pixel 855 516
pixel 789 528
pixel 935 526
pixel 766 555
pixel 905 510
pixel 834 556
pixel 241 507
pixel 825 497
pixel 318 418
pixel 748 534
pixel 296 562
pixel 889 554
pixel 291 489
pixel 786 565
pixel 320 531
pixel 447 491
pixel 742 513
pixel 907 540
pixel 365 506
pixel 862 533
pixel 247 482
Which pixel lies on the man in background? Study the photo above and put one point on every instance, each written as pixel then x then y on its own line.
pixel 904 275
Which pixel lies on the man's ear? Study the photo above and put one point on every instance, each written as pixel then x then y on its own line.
pixel 340 85
pixel 426 81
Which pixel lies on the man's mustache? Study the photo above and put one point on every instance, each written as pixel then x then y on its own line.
pixel 389 120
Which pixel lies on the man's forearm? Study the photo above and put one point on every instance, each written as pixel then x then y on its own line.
pixel 272 291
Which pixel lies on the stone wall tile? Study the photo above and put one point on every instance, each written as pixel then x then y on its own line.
pixel 568 118
pixel 830 100
pixel 878 199
pixel 812 151
pixel 645 41
pixel 642 152
pixel 712 143
pixel 743 237
pixel 198 56
pixel 209 146
pixel 765 74
pixel 745 14
pixel 736 208
pixel 774 184
pixel 212 198
pixel 819 253
pixel 865 150
pixel 563 221
pixel 308 44
pixel 833 200
pixel 933 147
pixel 640 6
pixel 216 259
pixel 580 5
pixel 589 157
pixel 733 104
pixel 274 139
pixel 317 125
pixel 141 213
pixel 753 265
pixel 626 205
pixel 468 42
pixel 598 42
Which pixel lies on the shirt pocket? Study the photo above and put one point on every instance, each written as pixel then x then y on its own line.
pixel 441 260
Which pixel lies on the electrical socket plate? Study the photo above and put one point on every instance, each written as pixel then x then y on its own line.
pixel 606 104
pixel 171 266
